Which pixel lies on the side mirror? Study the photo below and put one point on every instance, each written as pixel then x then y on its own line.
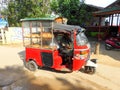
pixel 81 30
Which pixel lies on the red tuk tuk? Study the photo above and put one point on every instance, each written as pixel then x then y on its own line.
pixel 54 45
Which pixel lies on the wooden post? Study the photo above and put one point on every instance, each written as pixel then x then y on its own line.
pixel 3 36
pixel 118 20
pixel 99 35
pixel 97 48
pixel 31 33
pixel 23 36
pixel 112 21
pixel 41 32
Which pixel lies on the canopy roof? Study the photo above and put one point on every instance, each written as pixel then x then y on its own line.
pixel 58 26
pixel 37 19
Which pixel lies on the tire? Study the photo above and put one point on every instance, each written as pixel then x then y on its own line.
pixel 90 70
pixel 93 70
pixel 31 65
pixel 108 47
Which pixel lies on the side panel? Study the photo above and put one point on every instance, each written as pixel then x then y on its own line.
pixel 44 57
pixel 51 58
pixel 78 60
pixel 57 60
pixel 81 54
pixel 77 64
pixel 34 54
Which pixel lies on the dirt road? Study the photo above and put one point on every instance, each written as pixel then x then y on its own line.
pixel 13 75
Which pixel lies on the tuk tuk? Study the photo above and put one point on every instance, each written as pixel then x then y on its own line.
pixel 55 45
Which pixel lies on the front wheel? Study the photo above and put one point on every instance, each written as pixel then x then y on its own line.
pixel 90 70
pixel 31 65
pixel 108 47
pixel 93 70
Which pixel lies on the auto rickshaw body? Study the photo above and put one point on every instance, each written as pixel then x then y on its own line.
pixel 54 45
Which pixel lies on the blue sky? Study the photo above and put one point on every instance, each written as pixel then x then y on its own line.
pixel 101 3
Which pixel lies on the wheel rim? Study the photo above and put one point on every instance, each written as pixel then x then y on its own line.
pixel 31 65
pixel 108 48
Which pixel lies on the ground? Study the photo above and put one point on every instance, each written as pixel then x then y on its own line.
pixel 14 76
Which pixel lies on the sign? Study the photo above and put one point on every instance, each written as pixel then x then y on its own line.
pixel 3 23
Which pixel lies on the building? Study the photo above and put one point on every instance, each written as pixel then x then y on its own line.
pixel 107 29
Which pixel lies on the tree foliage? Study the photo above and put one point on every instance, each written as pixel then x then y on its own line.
pixel 19 9
pixel 74 10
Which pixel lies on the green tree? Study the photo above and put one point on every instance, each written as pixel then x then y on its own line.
pixel 19 9
pixel 74 10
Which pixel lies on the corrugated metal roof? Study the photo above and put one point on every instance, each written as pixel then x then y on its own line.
pixel 107 11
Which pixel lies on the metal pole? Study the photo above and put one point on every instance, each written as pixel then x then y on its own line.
pixel 23 34
pixel 41 31
pixel 31 33
pixel 99 36
pixel 112 21
pixel 118 20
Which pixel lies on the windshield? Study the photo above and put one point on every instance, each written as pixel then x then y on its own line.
pixel 81 39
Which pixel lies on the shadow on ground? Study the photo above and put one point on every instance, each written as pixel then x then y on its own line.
pixel 17 78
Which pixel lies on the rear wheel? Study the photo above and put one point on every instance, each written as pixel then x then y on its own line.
pixel 31 65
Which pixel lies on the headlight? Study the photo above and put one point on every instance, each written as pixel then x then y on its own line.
pixel 81 55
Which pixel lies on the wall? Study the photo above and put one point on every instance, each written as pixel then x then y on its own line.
pixel 12 36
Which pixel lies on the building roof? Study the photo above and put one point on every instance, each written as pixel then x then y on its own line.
pixel 113 8
pixel 107 11
pixel 93 6
pixel 116 3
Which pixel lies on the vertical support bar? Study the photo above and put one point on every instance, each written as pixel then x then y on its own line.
pixel 100 20
pixel 52 34
pixel 23 34
pixel 97 48
pixel 99 37
pixel 118 20
pixel 109 20
pixel 119 28
pixel 41 31
pixel 3 37
pixel 30 32
pixel 112 21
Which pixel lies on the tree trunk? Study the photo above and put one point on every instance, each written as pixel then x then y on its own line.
pixel 97 47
